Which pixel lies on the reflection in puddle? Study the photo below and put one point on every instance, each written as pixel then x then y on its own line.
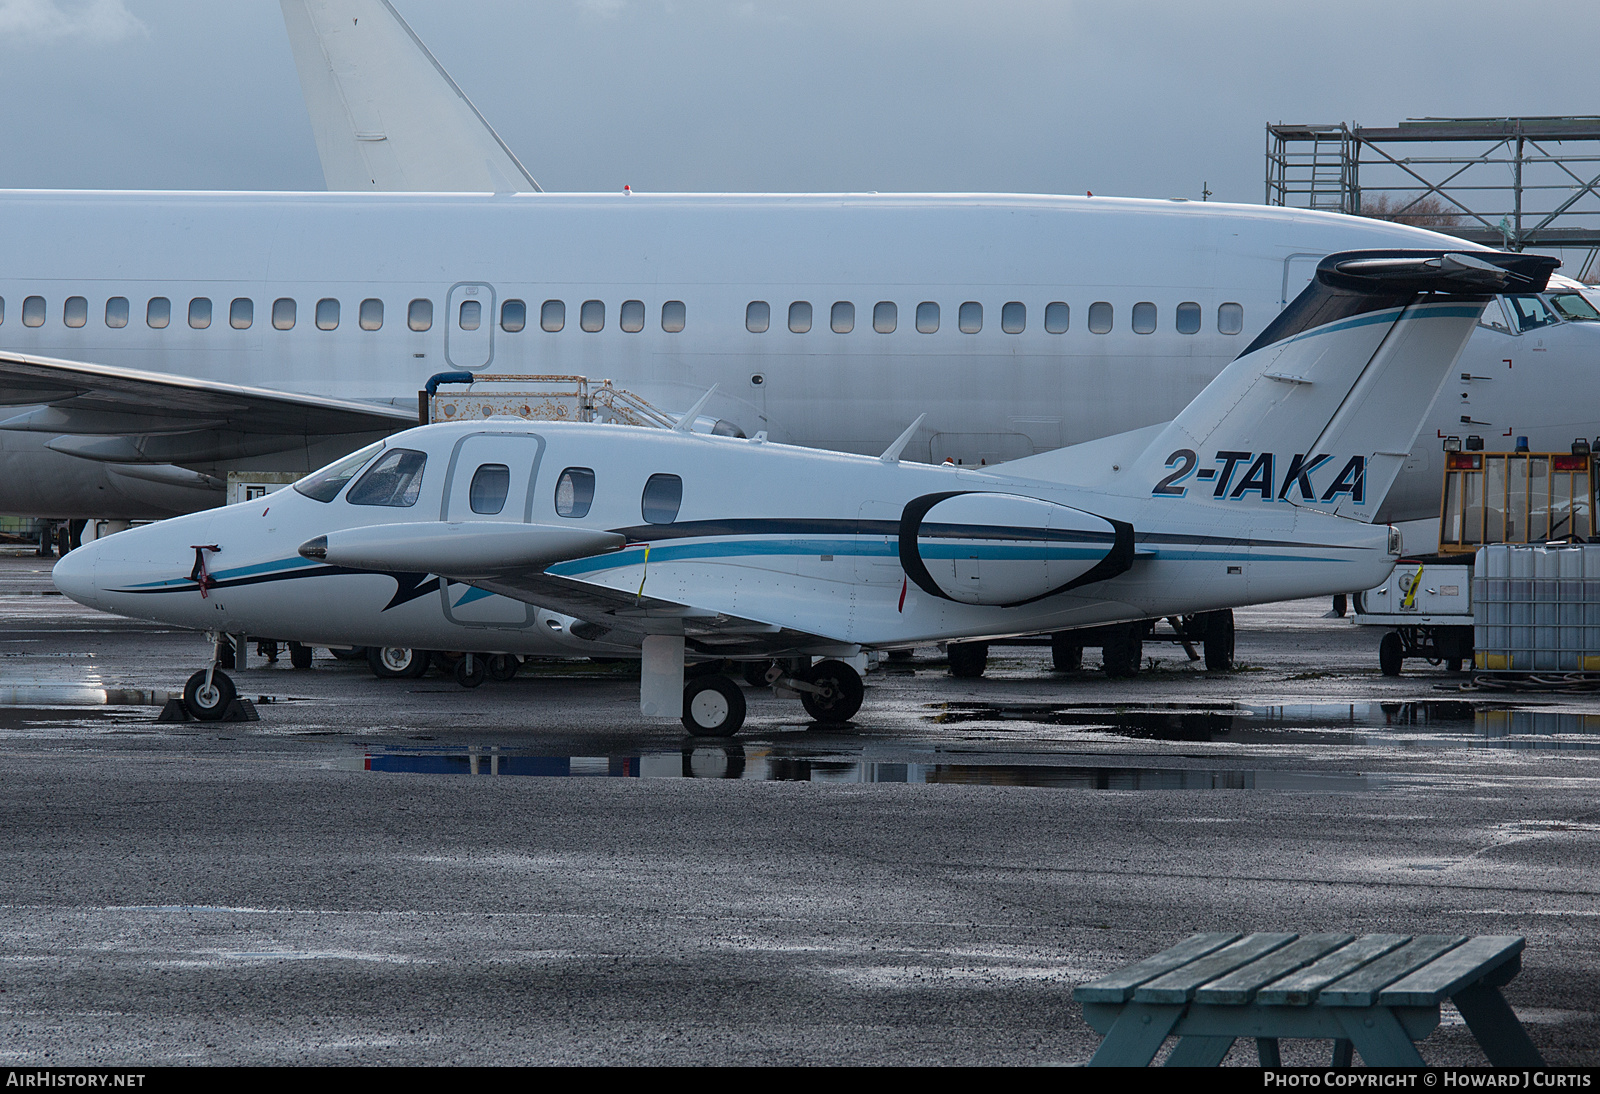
pixel 733 761
pixel 1436 723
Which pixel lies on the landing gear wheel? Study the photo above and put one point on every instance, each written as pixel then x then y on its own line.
pixel 1122 651
pixel 1391 654
pixel 845 692
pixel 354 653
pixel 503 666
pixel 472 670
pixel 713 706
pixel 967 659
pixel 209 701
pixel 755 673
pixel 1065 653
pixel 395 662
pixel 300 656
pixel 1219 640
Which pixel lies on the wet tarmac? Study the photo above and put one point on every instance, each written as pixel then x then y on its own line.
pixel 407 872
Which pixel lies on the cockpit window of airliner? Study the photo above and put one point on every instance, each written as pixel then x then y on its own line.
pixel 1529 312
pixel 395 480
pixel 241 313
pixel 325 485
pixel 1571 305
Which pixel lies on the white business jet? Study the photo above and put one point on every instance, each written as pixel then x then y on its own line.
pixel 1264 488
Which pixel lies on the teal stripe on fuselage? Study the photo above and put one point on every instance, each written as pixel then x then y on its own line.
pixel 239 571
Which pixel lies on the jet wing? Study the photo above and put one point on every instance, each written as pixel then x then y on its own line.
pixel 123 415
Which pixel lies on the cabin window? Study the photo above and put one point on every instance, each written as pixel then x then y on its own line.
pixel 490 484
pixel 395 480
pixel 673 316
pixel 325 485
pixel 553 316
pixel 2 309
pixel 1230 319
pixel 800 316
pixel 1057 317
pixel 663 494
pixel 630 317
pixel 471 315
pixel 970 317
pixel 1099 317
pixel 283 313
pixel 1188 317
pixel 200 313
pixel 843 317
pixel 241 313
pixel 157 314
pixel 1014 317
pixel 574 492
pixel 419 316
pixel 327 314
pixel 1144 317
pixel 75 313
pixel 117 311
pixel 885 316
pixel 370 315
pixel 757 316
pixel 927 317
pixel 513 316
pixel 33 312
pixel 592 316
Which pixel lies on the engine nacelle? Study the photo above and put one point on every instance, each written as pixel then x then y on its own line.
pixel 1002 550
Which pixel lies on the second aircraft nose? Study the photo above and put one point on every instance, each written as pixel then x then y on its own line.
pixel 74 575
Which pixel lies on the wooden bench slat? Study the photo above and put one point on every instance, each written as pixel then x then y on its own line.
pixel 1238 986
pixel 1299 988
pixel 1361 988
pixel 1452 971
pixel 1178 986
pixel 1118 986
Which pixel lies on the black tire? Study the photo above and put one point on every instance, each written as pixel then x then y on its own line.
pixel 755 673
pixel 503 667
pixel 1122 652
pixel 967 659
pixel 300 656
pixel 1065 652
pixel 354 653
pixel 1219 640
pixel 396 662
pixel 1391 654
pixel 713 706
pixel 846 689
pixel 472 670
pixel 209 704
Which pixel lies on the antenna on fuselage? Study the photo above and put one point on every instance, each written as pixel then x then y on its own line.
pixel 686 423
pixel 892 453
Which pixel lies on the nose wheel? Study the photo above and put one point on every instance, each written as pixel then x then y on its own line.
pixel 208 694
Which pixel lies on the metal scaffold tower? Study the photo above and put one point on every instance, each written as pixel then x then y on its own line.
pixel 1506 182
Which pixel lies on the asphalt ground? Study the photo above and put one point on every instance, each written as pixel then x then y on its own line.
pixel 404 872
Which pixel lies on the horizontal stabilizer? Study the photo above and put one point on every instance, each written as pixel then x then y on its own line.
pixel 459 550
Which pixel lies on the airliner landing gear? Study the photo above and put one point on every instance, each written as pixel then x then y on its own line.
pixel 835 694
pixel 713 706
pixel 1123 650
pixel 395 662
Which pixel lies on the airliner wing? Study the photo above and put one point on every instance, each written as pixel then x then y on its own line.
pixel 385 114
pixel 123 415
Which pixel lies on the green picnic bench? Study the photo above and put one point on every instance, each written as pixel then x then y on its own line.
pixel 1378 994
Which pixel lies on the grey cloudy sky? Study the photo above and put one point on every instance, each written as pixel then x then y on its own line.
pixel 1139 97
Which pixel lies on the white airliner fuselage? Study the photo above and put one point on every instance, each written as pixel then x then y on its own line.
pixel 1017 323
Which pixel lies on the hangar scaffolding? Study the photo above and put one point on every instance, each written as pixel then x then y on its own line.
pixel 1506 182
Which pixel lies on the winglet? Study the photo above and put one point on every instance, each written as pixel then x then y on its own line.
pixel 892 453
pixel 686 423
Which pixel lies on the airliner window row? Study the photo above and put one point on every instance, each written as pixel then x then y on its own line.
pixel 969 317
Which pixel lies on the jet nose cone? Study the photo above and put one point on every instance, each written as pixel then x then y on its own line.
pixel 74 575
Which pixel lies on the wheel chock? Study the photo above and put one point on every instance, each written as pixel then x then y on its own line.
pixel 240 710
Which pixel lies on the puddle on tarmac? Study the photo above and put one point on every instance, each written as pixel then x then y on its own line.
pixel 1430 723
pixel 731 760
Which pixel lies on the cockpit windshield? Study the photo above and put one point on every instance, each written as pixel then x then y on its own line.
pixel 325 485
pixel 395 480
pixel 1529 312
pixel 1573 306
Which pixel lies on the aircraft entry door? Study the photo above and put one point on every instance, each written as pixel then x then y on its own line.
pixel 491 477
pixel 469 325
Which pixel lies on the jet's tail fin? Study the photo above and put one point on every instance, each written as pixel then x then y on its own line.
pixel 1322 409
pixel 385 114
